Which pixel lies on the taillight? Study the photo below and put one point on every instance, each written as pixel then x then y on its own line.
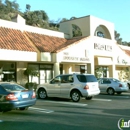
pixel 120 85
pixel 86 87
pixel 34 95
pixel 11 97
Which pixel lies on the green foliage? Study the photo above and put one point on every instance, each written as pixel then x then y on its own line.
pixel 31 71
pixel 31 86
pixel 8 9
pixel 76 30
pixel 117 38
pixel 98 72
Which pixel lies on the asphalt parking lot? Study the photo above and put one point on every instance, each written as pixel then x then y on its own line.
pixel 103 112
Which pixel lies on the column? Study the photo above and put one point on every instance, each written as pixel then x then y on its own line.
pixel 56 69
pixel 90 68
pixel 129 73
pixel 112 71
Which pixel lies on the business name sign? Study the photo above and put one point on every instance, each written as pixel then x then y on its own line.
pixel 67 57
pixel 104 47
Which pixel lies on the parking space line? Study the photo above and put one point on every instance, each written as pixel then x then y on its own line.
pixel 98 99
pixel 41 110
pixel 121 96
pixel 67 103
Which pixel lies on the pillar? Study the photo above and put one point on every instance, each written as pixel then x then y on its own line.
pixel 129 73
pixel 90 68
pixel 56 69
pixel 112 69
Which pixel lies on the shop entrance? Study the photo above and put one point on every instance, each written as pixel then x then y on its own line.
pixel 45 73
pixel 45 76
pixel 101 71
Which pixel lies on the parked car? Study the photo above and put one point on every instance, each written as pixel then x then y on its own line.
pixel 112 86
pixel 69 86
pixel 14 96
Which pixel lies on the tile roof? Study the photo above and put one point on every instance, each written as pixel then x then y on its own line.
pixel 45 43
pixel 12 39
pixel 70 42
pixel 127 52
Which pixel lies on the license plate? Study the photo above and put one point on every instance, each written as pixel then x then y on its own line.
pixel 25 96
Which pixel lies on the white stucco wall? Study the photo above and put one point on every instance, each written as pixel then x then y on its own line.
pixel 13 55
pixel 81 52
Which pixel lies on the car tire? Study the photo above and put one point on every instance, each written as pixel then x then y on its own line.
pixel 23 108
pixel 75 96
pixel 89 98
pixel 119 92
pixel 110 91
pixel 42 94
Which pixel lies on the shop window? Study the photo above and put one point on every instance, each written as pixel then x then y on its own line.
pixel 82 69
pixel 8 71
pixel 45 66
pixel 45 73
pixel 101 71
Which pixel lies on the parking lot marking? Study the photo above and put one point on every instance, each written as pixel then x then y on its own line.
pixel 98 99
pixel 41 110
pixel 121 96
pixel 68 103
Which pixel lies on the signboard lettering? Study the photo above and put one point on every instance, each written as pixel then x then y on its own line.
pixel 98 46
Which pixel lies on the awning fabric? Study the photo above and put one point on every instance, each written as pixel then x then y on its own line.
pixel 104 61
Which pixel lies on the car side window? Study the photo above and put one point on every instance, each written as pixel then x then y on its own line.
pixel 56 80
pixel 81 78
pixel 105 81
pixel 67 79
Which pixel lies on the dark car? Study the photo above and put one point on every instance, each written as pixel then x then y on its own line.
pixel 14 96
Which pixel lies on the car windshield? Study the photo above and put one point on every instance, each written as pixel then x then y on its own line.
pixel 12 87
pixel 86 78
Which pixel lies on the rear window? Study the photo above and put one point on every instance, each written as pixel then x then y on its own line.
pixel 12 87
pixel 86 78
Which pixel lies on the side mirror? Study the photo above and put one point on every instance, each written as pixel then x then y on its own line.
pixel 50 82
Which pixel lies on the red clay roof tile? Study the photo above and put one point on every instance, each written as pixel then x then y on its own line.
pixel 13 39
pixel 46 43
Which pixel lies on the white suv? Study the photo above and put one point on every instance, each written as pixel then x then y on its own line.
pixel 71 86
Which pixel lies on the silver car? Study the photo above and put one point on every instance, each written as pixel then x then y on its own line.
pixel 71 86
pixel 112 86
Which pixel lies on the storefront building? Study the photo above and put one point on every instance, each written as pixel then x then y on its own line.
pixel 51 53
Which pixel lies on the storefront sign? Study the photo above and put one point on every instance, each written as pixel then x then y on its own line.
pixel 67 57
pixel 71 58
pixel 120 60
pixel 98 46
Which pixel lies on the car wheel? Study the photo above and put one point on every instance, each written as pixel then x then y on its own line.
pixel 42 93
pixel 75 96
pixel 110 91
pixel 119 92
pixel 89 98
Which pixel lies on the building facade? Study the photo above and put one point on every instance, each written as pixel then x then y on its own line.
pixel 51 53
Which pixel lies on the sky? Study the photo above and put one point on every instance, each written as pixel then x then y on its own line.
pixel 115 11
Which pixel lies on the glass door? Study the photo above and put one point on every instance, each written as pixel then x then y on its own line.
pixel 42 76
pixel 45 76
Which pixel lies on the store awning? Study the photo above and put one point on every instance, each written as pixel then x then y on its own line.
pixel 104 61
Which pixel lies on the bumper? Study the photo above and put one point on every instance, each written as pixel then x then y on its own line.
pixel 122 90
pixel 17 104
pixel 91 93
